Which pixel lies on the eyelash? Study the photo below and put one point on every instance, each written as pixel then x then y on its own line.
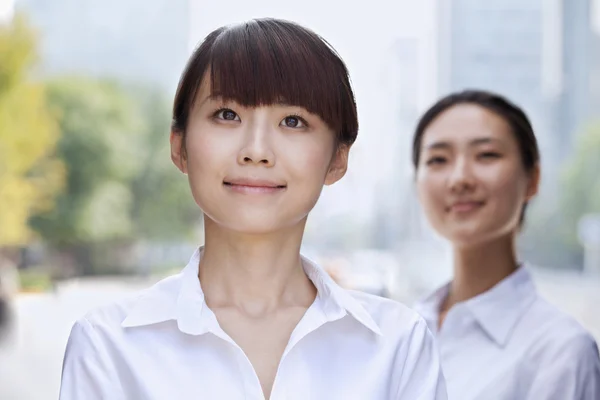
pixel 490 154
pixel 294 115
pixel 220 110
pixel 298 117
pixel 435 160
pixel 440 160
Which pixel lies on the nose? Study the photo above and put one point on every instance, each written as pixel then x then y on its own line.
pixel 461 177
pixel 257 146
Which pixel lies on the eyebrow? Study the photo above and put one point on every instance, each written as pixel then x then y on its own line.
pixel 474 142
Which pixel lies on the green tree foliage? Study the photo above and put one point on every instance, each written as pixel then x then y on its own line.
pixel 100 134
pixel 163 207
pixel 551 237
pixel 29 174
pixel 121 186
pixel 581 184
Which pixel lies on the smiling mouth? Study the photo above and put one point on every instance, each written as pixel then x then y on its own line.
pixel 254 188
pixel 466 207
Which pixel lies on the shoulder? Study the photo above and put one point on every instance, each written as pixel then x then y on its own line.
pixel 109 318
pixel 562 357
pixel 416 365
pixel 560 335
pixel 392 317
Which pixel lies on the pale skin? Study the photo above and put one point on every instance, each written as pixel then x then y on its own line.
pixel 251 271
pixel 472 184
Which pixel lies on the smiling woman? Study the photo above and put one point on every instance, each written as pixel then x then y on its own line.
pixel 288 65
pixel 264 116
pixel 477 166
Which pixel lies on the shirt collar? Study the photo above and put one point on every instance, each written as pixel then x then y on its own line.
pixel 429 306
pixel 180 298
pixel 337 301
pixel 496 311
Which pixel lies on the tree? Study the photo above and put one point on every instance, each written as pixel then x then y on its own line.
pixel 163 207
pixel 121 186
pixel 100 130
pixel 30 175
pixel 581 185
pixel 551 232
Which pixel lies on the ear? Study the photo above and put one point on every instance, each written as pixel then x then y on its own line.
pixel 534 182
pixel 178 155
pixel 338 165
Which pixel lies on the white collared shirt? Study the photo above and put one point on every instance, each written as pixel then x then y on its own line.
pixel 167 344
pixel 510 344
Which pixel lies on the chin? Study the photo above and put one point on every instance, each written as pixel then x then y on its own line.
pixel 252 228
pixel 465 240
pixel 473 237
pixel 254 223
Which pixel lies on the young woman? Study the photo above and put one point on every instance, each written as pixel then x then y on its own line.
pixel 477 167
pixel 264 116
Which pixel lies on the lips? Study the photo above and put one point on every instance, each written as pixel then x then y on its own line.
pixel 465 206
pixel 248 185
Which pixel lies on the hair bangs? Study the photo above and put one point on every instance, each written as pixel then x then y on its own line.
pixel 263 63
pixel 270 61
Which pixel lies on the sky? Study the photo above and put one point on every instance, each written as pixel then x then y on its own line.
pixel 6 9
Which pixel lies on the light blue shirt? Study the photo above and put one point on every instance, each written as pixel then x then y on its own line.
pixel 510 344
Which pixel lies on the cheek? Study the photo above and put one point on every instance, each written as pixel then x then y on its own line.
pixel 205 152
pixel 508 191
pixel 509 184
pixel 431 200
pixel 430 191
pixel 309 162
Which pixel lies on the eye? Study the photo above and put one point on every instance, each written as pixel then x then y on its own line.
pixel 227 114
pixel 489 155
pixel 437 160
pixel 293 121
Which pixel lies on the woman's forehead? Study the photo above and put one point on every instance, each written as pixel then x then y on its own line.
pixel 467 123
pixel 266 62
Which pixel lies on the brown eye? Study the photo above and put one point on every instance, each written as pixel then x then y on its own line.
pixel 489 155
pixel 292 121
pixel 436 160
pixel 227 115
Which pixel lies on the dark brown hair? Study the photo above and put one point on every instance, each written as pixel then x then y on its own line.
pixel 268 61
pixel 511 113
pixel 501 106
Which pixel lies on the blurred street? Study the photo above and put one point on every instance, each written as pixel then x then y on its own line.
pixel 30 360
pixel 31 357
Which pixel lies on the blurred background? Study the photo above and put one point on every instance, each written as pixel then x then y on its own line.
pixel 91 208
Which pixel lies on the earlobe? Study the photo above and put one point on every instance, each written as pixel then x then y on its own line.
pixel 534 182
pixel 338 166
pixel 178 151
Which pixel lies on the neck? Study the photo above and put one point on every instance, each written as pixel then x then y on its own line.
pixel 479 268
pixel 254 273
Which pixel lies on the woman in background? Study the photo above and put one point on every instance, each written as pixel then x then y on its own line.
pixel 477 166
